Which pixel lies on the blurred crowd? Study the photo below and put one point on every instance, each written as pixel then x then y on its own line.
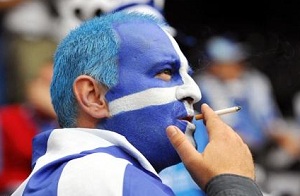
pixel 29 33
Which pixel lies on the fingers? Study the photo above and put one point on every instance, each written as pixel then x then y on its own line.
pixel 212 122
pixel 225 153
pixel 216 128
pixel 226 140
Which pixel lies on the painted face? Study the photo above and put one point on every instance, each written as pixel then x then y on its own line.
pixel 155 90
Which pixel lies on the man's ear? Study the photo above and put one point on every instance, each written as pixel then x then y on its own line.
pixel 90 96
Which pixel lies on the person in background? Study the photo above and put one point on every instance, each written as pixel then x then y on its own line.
pixel 229 80
pixel 124 101
pixel 19 123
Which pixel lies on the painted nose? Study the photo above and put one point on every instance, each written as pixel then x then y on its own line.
pixel 189 91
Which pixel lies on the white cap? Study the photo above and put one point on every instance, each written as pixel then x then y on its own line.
pixel 224 50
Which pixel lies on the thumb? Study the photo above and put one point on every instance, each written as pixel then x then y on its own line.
pixel 186 151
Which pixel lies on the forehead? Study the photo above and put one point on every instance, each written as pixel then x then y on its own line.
pixel 144 44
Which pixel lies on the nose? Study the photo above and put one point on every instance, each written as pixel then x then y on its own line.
pixel 188 91
pixel 78 13
pixel 189 100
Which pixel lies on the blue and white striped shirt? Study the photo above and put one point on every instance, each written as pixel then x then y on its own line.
pixel 77 161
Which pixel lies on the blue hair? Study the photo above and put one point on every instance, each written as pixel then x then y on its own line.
pixel 91 49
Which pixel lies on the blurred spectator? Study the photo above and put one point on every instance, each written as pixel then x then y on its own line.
pixel 25 59
pixel 55 18
pixel 19 123
pixel 229 80
pixel 24 53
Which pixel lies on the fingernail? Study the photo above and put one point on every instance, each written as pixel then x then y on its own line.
pixel 172 131
pixel 205 105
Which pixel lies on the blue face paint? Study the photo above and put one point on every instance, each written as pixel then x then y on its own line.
pixel 143 105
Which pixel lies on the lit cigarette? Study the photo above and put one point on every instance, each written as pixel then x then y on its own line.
pixel 220 112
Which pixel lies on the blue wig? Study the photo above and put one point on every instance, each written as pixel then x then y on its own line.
pixel 91 49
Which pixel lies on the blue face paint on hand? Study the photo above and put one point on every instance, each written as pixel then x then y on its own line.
pixel 154 91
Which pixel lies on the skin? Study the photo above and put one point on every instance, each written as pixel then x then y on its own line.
pixel 170 71
pixel 234 158
pixel 37 91
pixel 154 90
pixel 227 70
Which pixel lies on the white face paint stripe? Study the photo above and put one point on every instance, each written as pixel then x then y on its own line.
pixel 189 86
pixel 160 96
pixel 149 97
pixel 183 61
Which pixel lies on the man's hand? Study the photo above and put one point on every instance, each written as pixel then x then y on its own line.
pixel 226 153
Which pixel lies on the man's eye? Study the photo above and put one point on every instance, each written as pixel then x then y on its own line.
pixel 165 74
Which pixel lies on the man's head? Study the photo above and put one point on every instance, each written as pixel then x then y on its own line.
pixel 227 57
pixel 124 73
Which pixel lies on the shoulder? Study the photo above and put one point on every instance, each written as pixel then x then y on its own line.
pixel 108 175
pixel 257 77
pixel 95 173
pixel 141 182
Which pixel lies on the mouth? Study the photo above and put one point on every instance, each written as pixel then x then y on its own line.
pixel 187 118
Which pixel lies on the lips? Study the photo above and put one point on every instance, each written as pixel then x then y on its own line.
pixel 187 118
pixel 190 128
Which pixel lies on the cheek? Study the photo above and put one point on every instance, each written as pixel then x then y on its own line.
pixel 146 121
pixel 145 129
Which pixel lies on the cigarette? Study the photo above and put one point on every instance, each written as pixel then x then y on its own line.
pixel 221 112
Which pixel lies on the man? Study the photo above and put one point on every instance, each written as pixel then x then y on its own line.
pixel 119 82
